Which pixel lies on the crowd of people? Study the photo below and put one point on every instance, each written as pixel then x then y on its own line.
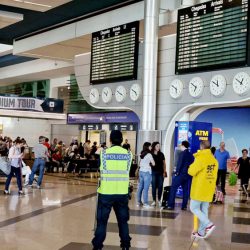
pixel 48 157
pixel 207 168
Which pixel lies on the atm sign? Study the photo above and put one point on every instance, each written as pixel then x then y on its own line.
pixel 203 135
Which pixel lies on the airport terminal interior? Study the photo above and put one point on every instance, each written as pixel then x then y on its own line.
pixel 73 73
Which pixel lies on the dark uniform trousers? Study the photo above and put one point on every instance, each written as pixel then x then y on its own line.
pixel 120 205
pixel 222 178
pixel 180 180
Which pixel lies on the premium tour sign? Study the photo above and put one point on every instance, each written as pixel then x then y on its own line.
pixel 31 104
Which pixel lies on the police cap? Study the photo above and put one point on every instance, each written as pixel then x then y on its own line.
pixel 116 137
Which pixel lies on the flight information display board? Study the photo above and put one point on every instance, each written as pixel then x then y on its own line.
pixel 114 54
pixel 212 35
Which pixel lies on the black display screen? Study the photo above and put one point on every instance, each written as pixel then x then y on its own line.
pixel 212 35
pixel 114 54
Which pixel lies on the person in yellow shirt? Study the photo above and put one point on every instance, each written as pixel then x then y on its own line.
pixel 204 171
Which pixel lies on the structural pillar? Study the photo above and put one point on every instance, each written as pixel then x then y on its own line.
pixel 151 24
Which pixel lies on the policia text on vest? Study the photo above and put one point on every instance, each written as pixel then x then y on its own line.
pixel 113 191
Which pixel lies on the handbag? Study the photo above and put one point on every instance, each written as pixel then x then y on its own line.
pixel 5 165
pixel 232 179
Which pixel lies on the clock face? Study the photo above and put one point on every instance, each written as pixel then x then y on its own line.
pixel 107 95
pixel 218 85
pixel 135 92
pixel 120 94
pixel 196 87
pixel 94 95
pixel 241 83
pixel 176 88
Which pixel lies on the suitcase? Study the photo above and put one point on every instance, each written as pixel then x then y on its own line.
pixel 165 196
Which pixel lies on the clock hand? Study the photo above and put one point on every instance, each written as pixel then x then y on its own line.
pixel 134 92
pixel 242 81
pixel 195 87
pixel 92 94
pixel 239 81
pixel 174 88
pixel 216 83
pixel 119 93
pixel 106 93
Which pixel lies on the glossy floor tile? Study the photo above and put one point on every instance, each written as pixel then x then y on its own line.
pixel 62 216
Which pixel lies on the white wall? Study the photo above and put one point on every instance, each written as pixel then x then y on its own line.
pixel 30 129
pixel 65 133
pixel 55 83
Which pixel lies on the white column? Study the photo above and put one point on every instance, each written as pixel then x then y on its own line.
pixel 151 22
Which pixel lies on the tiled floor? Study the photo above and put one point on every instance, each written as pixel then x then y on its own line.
pixel 61 216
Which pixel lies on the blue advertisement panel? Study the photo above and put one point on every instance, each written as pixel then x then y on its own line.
pixel 199 131
pixel 181 132
pixel 194 133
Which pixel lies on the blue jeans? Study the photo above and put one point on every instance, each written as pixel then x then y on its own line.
pixel 38 163
pixel 180 180
pixel 145 179
pixel 157 183
pixel 120 205
pixel 18 174
pixel 200 209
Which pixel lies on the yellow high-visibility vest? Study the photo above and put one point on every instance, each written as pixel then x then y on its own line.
pixel 114 170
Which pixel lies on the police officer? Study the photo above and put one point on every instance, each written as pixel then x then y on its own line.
pixel 115 164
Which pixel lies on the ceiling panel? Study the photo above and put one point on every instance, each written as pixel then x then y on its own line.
pixel 37 5
pixel 83 42
pixel 66 50
pixel 35 22
pixel 56 73
pixel 7 18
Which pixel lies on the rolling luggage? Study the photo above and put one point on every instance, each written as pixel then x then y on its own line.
pixel 165 196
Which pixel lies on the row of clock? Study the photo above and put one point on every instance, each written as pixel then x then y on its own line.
pixel 120 94
pixel 218 84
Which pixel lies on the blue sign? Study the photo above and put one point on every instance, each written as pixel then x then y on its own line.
pixel 193 132
pixel 182 132
pixel 114 117
pixel 199 131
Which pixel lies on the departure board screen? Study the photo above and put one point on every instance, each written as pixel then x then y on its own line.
pixel 212 35
pixel 114 54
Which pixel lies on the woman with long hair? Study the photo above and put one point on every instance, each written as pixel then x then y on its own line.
pixel 15 156
pixel 145 174
pixel 158 172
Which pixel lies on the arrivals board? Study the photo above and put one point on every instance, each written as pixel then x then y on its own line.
pixel 212 35
pixel 114 54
